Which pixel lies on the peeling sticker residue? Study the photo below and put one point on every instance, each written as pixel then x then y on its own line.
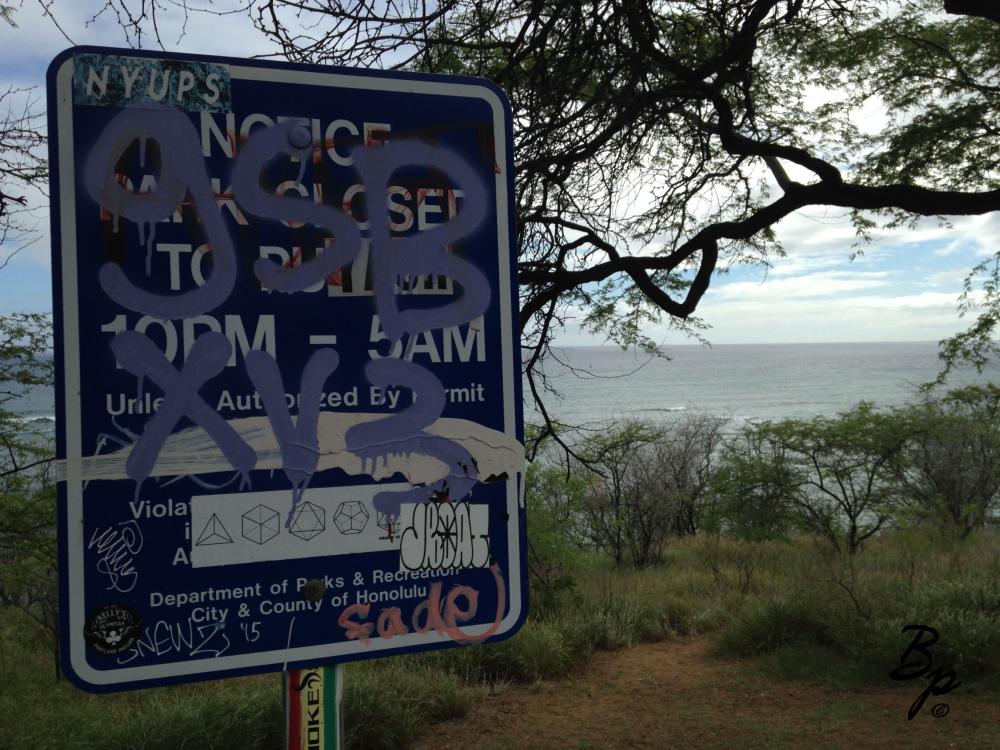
pixel 194 451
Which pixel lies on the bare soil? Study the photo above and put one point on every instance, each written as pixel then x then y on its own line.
pixel 675 694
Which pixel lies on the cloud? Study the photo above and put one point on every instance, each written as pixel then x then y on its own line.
pixel 951 277
pixel 979 234
pixel 926 301
pixel 919 317
pixel 820 284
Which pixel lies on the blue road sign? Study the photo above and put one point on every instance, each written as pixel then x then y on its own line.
pixel 288 396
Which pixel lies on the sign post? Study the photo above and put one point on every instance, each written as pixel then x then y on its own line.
pixel 314 717
pixel 288 389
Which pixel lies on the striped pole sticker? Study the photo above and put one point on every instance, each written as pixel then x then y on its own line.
pixel 312 708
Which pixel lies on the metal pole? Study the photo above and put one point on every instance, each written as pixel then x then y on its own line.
pixel 314 717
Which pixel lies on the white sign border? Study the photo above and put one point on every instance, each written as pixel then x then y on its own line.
pixel 326 653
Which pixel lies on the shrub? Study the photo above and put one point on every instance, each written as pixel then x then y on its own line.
pixel 645 483
pixel 951 474
pixel 768 625
pixel 553 503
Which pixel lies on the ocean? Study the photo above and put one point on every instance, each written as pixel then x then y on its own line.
pixel 739 381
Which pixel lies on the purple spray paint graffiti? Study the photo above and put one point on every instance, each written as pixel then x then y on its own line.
pixel 423 253
pixel 264 146
pixel 404 433
pixel 139 355
pixel 393 260
pixel 183 172
pixel 299 445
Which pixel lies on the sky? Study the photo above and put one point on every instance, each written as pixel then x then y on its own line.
pixel 903 288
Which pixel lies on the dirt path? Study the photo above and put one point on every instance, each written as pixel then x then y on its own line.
pixel 675 695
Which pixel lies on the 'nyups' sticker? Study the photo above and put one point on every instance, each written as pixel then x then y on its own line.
pixel 113 81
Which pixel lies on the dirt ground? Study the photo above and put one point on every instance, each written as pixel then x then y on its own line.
pixel 676 695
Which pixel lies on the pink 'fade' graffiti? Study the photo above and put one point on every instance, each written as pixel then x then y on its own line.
pixel 437 616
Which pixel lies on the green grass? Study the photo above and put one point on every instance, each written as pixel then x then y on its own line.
pixel 814 663
pixel 38 713
pixel 811 617
pixel 388 703
pixel 795 611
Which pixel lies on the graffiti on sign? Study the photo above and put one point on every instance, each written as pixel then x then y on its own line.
pixel 367 438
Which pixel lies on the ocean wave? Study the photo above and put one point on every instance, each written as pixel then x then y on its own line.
pixel 37 420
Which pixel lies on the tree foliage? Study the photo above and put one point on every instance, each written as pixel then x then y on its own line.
pixel 25 354
pixel 28 554
pixel 554 501
pixel 976 345
pixel 658 142
pixel 22 165
pixel 835 475
pixel 682 466
pixel 645 483
pixel 27 494
pixel 751 493
pixel 620 510
pixel 27 491
pixel 951 475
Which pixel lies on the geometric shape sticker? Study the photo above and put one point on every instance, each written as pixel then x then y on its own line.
pixel 260 524
pixel 308 521
pixel 214 533
pixel 351 517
